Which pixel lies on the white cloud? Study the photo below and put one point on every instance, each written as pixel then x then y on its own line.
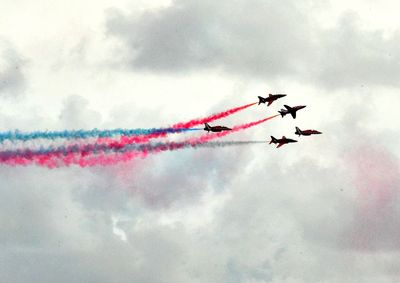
pixel 12 78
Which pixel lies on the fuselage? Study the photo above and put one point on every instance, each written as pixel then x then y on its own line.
pixel 296 108
pixel 271 98
pixel 209 128
pixel 281 141
pixel 291 110
pixel 284 141
pixel 306 132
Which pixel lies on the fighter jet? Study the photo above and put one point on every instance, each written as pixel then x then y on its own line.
pixel 271 98
pixel 209 128
pixel 306 132
pixel 291 110
pixel 281 141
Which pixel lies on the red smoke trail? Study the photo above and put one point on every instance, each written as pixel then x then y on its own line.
pixel 125 140
pixel 54 160
pixel 211 118
pixel 44 159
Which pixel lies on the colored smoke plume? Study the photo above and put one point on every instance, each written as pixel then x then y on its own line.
pixel 96 133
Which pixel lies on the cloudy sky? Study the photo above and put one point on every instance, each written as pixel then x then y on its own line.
pixel 325 209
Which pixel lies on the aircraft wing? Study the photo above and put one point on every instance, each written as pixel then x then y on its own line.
pixel 269 103
pixel 280 144
pixel 293 114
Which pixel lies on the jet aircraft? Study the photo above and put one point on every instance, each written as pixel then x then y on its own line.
pixel 270 98
pixel 209 128
pixel 306 132
pixel 291 110
pixel 281 141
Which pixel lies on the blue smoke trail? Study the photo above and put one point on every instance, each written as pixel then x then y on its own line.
pixel 82 134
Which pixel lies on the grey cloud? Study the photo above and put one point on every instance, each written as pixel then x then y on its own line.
pixel 351 57
pixel 60 223
pixel 370 169
pixel 260 39
pixel 167 182
pixel 39 213
pixel 375 177
pixel 253 37
pixel 12 78
pixel 289 219
pixel 76 113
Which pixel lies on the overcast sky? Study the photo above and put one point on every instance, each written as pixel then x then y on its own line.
pixel 325 209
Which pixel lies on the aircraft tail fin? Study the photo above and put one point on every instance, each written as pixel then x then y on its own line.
pixel 260 100
pixel 273 140
pixel 282 112
pixel 298 131
pixel 207 127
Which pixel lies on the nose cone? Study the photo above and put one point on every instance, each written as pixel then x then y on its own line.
pixel 302 106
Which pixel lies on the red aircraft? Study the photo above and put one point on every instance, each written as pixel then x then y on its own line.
pixel 306 132
pixel 209 128
pixel 271 98
pixel 281 141
pixel 291 110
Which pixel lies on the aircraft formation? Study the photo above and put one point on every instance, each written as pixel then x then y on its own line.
pixel 103 147
pixel 292 110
